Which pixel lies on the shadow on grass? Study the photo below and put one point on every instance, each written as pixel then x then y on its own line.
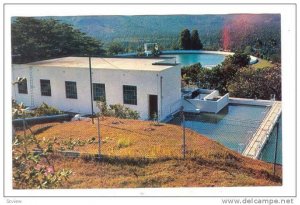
pixel 42 129
pixel 116 160
pixel 230 165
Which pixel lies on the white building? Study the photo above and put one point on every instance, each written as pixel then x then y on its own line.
pixel 146 85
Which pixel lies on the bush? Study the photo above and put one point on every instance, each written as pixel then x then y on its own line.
pixel 32 170
pixel 117 110
pixel 122 143
pixel 45 109
pixel 275 58
pixel 19 110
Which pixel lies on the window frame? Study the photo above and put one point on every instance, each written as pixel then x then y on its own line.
pixel 22 87
pixel 101 92
pixel 130 100
pixel 45 84
pixel 68 85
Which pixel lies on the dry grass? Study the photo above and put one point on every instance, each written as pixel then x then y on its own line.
pixel 143 138
pixel 208 163
pixel 161 173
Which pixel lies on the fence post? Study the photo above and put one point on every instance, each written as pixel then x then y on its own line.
pixel 91 87
pixel 24 132
pixel 183 132
pixel 275 154
pixel 99 139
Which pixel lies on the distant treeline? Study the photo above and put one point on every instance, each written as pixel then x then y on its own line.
pixel 256 34
pixel 47 37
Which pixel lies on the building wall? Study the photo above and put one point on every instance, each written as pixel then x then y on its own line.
pixel 57 77
pixel 147 82
pixel 171 91
pixel 20 71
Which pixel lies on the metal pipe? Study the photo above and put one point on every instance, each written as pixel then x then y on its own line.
pixel 24 133
pixel 99 139
pixel 161 97
pixel 91 84
pixel 276 144
pixel 183 132
pixel 33 120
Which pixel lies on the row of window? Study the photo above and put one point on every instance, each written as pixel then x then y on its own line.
pixel 129 91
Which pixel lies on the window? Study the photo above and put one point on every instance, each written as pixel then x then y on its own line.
pixel 129 94
pixel 22 86
pixel 45 88
pixel 99 92
pixel 71 90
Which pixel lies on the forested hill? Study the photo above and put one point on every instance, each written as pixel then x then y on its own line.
pixel 109 27
pixel 239 30
pixel 255 34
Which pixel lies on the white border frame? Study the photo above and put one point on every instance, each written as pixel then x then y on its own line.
pixel 288 31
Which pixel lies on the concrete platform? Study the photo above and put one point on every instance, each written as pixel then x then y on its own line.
pixel 260 137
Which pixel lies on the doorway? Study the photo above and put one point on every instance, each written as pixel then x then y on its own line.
pixel 153 107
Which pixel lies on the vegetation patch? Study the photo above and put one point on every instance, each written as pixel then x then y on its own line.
pixel 236 77
pixel 19 110
pixel 117 110
pixel 123 143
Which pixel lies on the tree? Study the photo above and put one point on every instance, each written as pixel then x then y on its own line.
pixel 185 40
pixel 191 73
pixel 220 77
pixel 248 50
pixel 37 39
pixel 261 83
pixel 115 48
pixel 238 59
pixel 195 41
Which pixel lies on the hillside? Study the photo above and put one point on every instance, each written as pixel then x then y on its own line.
pixel 255 34
pixel 142 154
pixel 240 30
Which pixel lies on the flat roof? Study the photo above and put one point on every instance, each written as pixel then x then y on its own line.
pixel 105 63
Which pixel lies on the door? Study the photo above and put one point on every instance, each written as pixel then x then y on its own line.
pixel 153 111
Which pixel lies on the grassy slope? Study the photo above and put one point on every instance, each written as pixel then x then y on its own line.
pixel 262 64
pixel 208 163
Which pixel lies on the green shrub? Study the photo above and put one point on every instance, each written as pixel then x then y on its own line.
pixel 117 110
pixel 45 109
pixel 122 143
pixel 32 170
pixel 19 110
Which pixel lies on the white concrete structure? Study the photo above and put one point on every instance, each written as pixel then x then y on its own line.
pixel 151 78
pixel 149 52
pixel 259 139
pixel 204 101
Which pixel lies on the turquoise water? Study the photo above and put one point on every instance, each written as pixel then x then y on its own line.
pixel 232 126
pixel 206 60
pixel 268 152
